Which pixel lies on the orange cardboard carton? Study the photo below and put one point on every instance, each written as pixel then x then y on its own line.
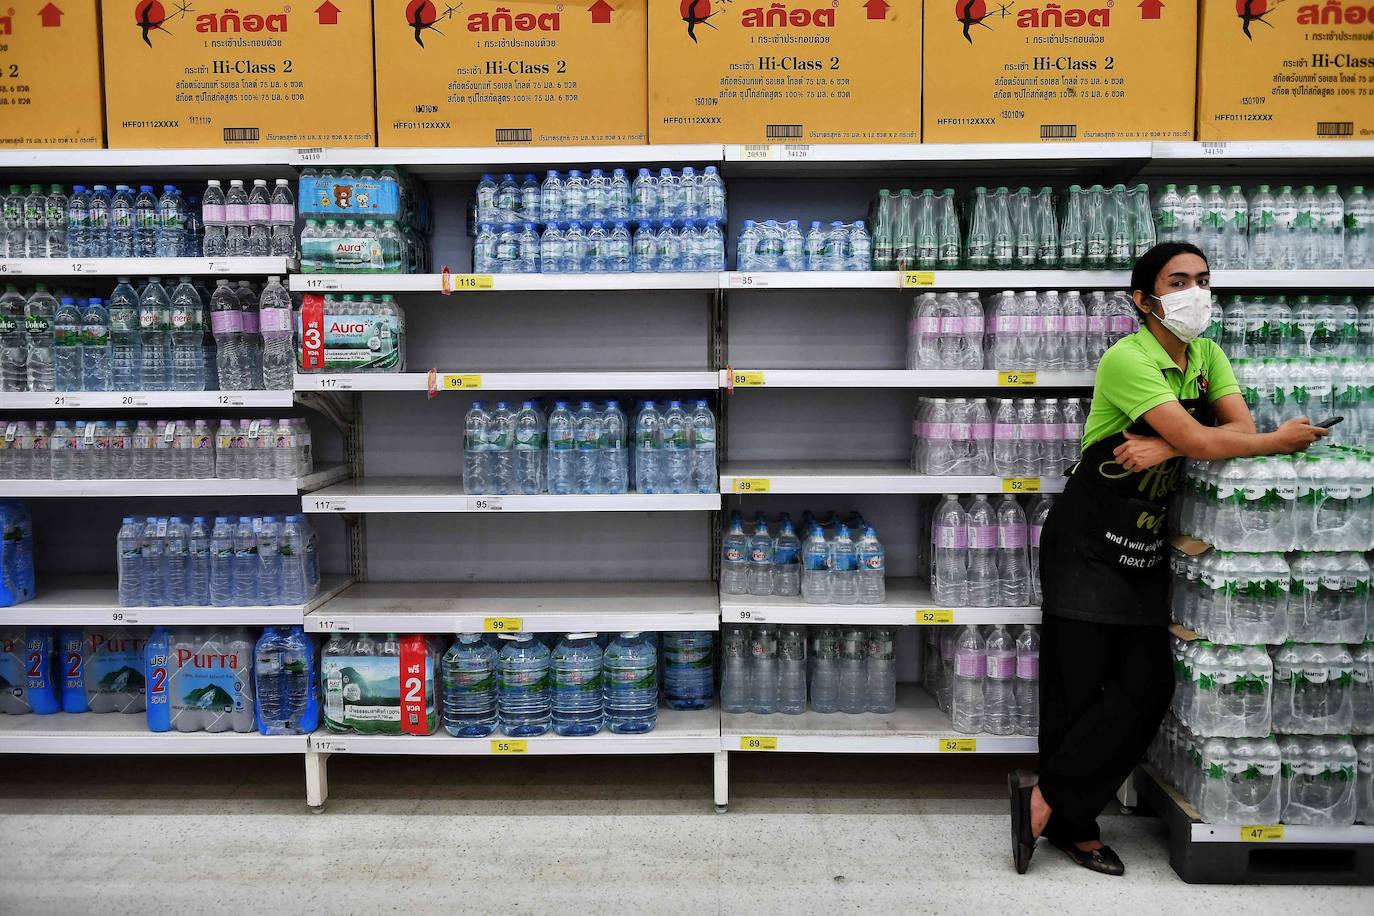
pixel 50 74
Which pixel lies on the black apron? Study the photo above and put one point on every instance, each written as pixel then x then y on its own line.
pixel 1102 553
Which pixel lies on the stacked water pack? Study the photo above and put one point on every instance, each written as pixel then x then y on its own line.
pixel 1051 330
pixel 986 679
pixel 525 684
pixel 29 670
pixel 381 686
pixel 102 669
pixel 285 682
pixel 591 448
pixel 1271 227
pixel 838 562
pixel 600 223
pixel 771 245
pixel 219 561
pixel 766 668
pixel 200 679
pixel 351 334
pixel 986 555
pixel 1004 229
pixel 1022 437
pixel 99 223
pixel 16 553
pixel 363 221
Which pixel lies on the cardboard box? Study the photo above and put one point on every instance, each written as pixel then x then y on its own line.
pixel 50 74
pixel 799 71
pixel 254 73
pixel 511 72
pixel 1296 70
pixel 1059 70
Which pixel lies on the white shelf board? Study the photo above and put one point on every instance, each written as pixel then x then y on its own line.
pixel 433 283
pixel 143 267
pixel 163 160
pixel 906 600
pixel 934 280
pixel 539 607
pixel 214 486
pixel 1250 150
pixel 472 161
pixel 855 477
pixel 1226 280
pixel 516 381
pixel 116 400
pixel 118 733
pixel 916 727
pixel 900 378
pixel 839 158
pixel 446 494
pixel 94 601
pixel 679 731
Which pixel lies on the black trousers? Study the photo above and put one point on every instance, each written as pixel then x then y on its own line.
pixel 1104 689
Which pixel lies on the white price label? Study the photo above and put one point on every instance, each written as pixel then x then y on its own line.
pixel 333 625
pixel 485 504
pixel 10 267
pixel 1215 149
pixel 65 400
pixel 229 400
pixel 796 151
pixel 219 267
pixel 133 400
pixel 327 505
pixel 758 152
pixel 124 617
pixel 335 384
pixel 310 154
pixel 750 616
pixel 746 281
pixel 85 267
pixel 329 746
pixel 316 283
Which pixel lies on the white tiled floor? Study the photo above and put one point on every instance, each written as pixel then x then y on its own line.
pixel 803 835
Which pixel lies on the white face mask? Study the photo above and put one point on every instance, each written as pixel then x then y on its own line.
pixel 1187 312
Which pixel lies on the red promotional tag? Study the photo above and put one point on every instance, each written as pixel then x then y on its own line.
pixel 312 332
pixel 414 686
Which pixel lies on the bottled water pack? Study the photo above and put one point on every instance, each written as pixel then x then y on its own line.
pixel 98 222
pixel 285 682
pixel 16 554
pixel 771 245
pixel 766 669
pixel 350 334
pixel 102 669
pixel 30 668
pixel 986 678
pixel 984 555
pixel 838 562
pixel 362 678
pixel 1022 437
pixel 200 679
pixel 560 197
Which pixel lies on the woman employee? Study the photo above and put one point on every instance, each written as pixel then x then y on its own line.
pixel 1162 394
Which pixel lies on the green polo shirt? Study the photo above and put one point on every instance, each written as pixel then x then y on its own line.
pixel 1136 375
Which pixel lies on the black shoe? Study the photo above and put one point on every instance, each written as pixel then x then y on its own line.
pixel 1103 860
pixel 1020 784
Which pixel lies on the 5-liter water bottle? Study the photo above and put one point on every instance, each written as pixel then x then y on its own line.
pixel 562 449
pixel 677 449
pixel 735 569
pixel 630 679
pixel 66 336
pixel 1028 682
pixel 274 317
pixel 523 700
pixel 688 669
pixel 468 672
pixel 786 560
pixel 763 669
pixel 587 438
pixel 575 674
pixel 970 670
pixel 130 560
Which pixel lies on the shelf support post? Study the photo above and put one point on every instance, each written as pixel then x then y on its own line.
pixel 721 770
pixel 316 779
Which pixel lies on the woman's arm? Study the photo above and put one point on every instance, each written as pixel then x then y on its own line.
pixel 1180 434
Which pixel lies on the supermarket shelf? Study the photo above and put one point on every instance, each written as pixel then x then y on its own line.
pixel 855 477
pixel 840 159
pixel 459 162
pixel 917 727
pixel 94 601
pixel 115 733
pixel 929 280
pixel 164 161
pixel 1292 279
pixel 213 486
pixel 446 494
pixel 143 267
pixel 497 283
pixel 537 607
pixel 1231 152
pixel 908 603
pixel 516 381
pixel 901 378
pixel 678 732
pixel 115 400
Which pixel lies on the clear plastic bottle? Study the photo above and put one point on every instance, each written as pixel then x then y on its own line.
pixel 562 454
pixel 816 579
pixel 66 337
pixel 949 580
pixel 39 313
pixel 122 222
pixel 999 694
pixel 78 218
pixel 970 670
pixel 523 694
pixel 1013 574
pixel 145 222
pixel 587 455
pixel 154 324
pixel 575 671
pixel 227 323
pixel 760 573
pixel 734 668
pixel 792 670
pixel 872 568
pixel 96 366
pixel 881 671
pixel 1028 681
pixel 688 669
pixel 824 669
pixel 982 553
pixel 853 671
pixel 259 220
pixel 236 220
pixel 14 347
pixel 630 679
pixel 468 673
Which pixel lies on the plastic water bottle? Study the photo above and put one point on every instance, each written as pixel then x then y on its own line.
pixel 792 670
pixel 498 448
pixel 1028 682
pixel 78 222
pixel 870 579
pixel 126 358
pixel 734 559
pixel 763 669
pixel 562 450
pixel 282 218
pixel 575 673
pixel 145 222
pixel 169 229
pixel 14 347
pixel 66 336
pixel 245 563
pixel 677 449
pixel 999 694
pixel 844 588
pixel 259 220
pixel 734 668
pixel 122 222
pixel 711 193
pixel 222 563
pixel 852 693
pixel 703 434
pixel 226 320
pixel 1013 574
pixel 587 461
pixel 982 556
pixel 185 315
pixel 154 323
pixel 198 563
pixel 154 581
pixel 523 696
pixel 881 664
pixel 970 670
pixel 816 580
pixel 252 334
pixel 176 554
pixel 98 218
pixel 825 673
pixel 468 672
pixel 760 575
pixel 614 452
pixel 949 581
pixel 786 560
pixel 689 669
pixel 95 347
pixel 529 450
pixel 275 321
pixel 630 680
pixel 648 439
pixel 236 220
pixel 131 587
pixel 269 561
pixel 39 314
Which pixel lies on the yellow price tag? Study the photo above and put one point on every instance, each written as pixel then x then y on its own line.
pixel 752 484
pixel 473 281
pixel 758 743
pixel 1021 485
pixel 934 618
pixel 502 624
pixel 918 279
pixel 958 745
pixel 747 379
pixel 1261 833
pixel 510 746
pixel 462 382
pixel 1019 379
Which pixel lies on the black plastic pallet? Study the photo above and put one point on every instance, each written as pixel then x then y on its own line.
pixel 1281 862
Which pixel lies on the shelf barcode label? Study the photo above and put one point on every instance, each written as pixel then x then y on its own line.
pixel 333 625
pixel 502 624
pixel 485 504
pixel 918 279
pixel 930 618
pixel 958 745
pixel 318 283
pixel 752 484
pixel 124 617
pixel 328 746
pixel 1021 485
pixel 84 267
pixel 746 379
pixel 1261 833
pixel 758 743
pixel 465 382
pixel 758 152
pixel 745 281
pixel 1017 379
pixel 510 746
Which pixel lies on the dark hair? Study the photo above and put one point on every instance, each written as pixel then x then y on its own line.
pixel 1152 262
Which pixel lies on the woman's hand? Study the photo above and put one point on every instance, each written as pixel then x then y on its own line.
pixel 1138 453
pixel 1296 435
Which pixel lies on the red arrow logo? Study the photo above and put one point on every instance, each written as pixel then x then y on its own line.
pixel 328 13
pixel 1149 9
pixel 51 16
pixel 877 9
pixel 601 12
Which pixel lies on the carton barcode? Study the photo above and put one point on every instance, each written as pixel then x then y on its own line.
pixel 514 134
pixel 1058 131
pixel 1335 128
pixel 240 135
pixel 784 131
